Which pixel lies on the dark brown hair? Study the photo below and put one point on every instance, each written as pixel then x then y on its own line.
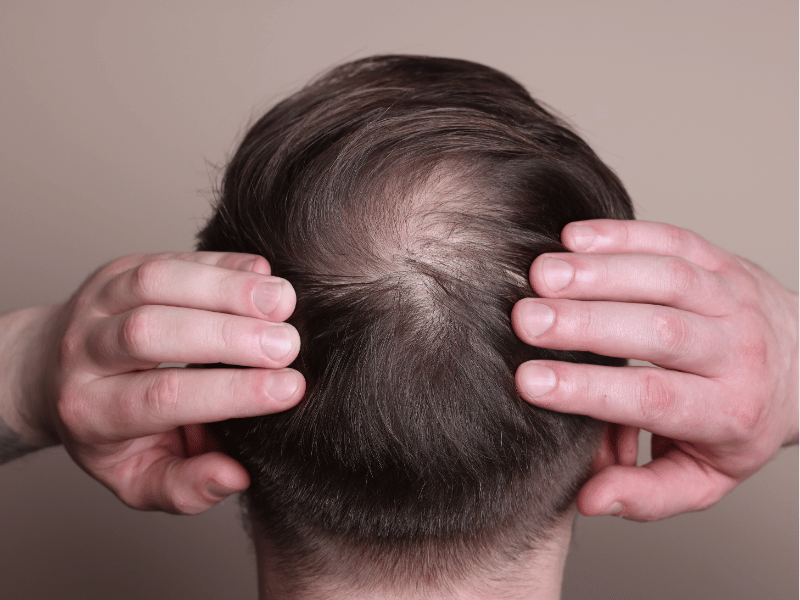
pixel 405 198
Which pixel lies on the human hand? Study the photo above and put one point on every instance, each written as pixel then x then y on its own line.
pixel 723 331
pixel 86 374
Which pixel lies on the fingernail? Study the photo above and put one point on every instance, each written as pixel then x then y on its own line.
pixel 557 273
pixel 536 318
pixel 247 265
pixel 267 296
pixel 277 342
pixel 536 380
pixel 582 237
pixel 217 490
pixel 614 508
pixel 282 384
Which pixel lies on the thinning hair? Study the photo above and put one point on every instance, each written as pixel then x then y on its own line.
pixel 405 198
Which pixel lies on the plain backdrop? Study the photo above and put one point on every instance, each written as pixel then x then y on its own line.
pixel 115 119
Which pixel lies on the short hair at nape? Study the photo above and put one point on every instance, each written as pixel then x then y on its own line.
pixel 405 198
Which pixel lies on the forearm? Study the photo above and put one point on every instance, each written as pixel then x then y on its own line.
pixel 22 418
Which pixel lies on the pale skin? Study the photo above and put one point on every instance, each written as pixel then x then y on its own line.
pixel 533 575
pixel 723 331
pixel 84 373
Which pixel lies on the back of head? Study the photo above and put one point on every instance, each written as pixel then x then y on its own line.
pixel 405 198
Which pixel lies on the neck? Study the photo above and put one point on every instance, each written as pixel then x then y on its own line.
pixel 532 576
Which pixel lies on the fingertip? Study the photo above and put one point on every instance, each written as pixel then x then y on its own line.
pixel 600 496
pixel 535 277
pixel 275 299
pixel 255 264
pixel 289 301
pixel 220 487
pixel 632 488
pixel 286 387
pixel 579 236
pixel 201 482
pixel 286 305
pixel 281 344
pixel 516 318
pixel 615 509
pixel 534 380
pixel 222 478
pixel 530 318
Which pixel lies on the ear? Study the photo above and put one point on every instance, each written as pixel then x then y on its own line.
pixel 606 453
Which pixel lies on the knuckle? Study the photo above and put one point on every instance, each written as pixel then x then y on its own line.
pixel 745 418
pixel 136 332
pixel 70 347
pixel 120 265
pixel 232 336
pixel 146 279
pixel 117 265
pixel 624 232
pixel 84 301
pixel 163 394
pixel 682 278
pixel 584 322
pixel 676 239
pixel 673 334
pixel 754 351
pixel 75 414
pixel 655 397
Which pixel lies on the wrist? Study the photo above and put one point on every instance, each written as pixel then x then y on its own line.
pixel 24 364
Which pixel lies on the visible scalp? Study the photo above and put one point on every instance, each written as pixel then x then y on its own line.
pixel 404 198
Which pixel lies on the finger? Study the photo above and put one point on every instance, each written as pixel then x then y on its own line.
pixel 150 335
pixel 640 278
pixel 619 446
pixel 609 236
pixel 252 263
pixel 239 261
pixel 661 335
pixel 173 282
pixel 670 485
pixel 673 404
pixel 185 485
pixel 139 404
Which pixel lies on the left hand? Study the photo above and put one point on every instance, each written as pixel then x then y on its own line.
pixel 723 331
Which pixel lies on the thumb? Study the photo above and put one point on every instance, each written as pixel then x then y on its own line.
pixel 673 483
pixel 186 485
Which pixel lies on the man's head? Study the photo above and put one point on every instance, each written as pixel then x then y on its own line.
pixel 404 198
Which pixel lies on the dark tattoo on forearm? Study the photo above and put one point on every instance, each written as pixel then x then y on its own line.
pixel 11 446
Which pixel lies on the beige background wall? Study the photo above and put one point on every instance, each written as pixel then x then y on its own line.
pixel 114 118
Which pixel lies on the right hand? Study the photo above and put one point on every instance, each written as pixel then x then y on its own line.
pixel 87 372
